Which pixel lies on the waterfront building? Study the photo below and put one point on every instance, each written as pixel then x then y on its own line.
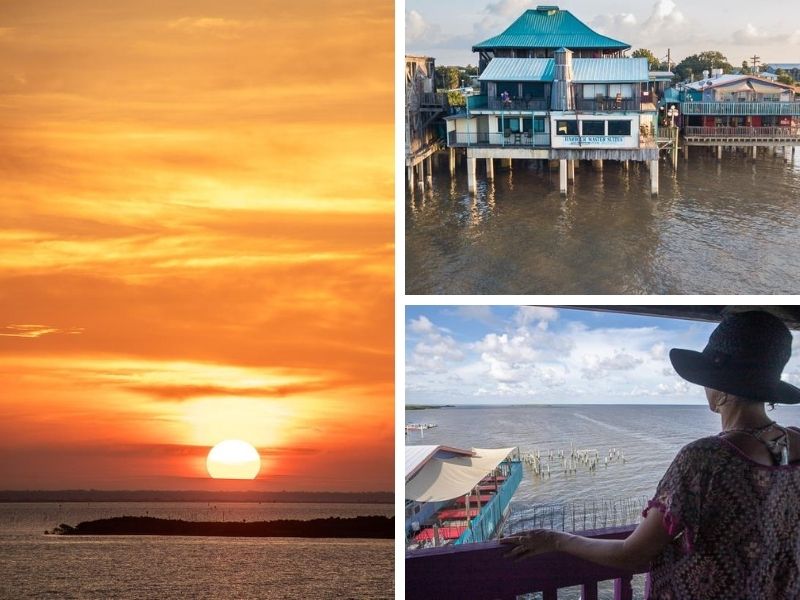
pixel 739 111
pixel 424 109
pixel 554 90
pixel 456 496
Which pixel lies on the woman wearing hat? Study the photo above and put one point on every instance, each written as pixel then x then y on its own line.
pixel 725 519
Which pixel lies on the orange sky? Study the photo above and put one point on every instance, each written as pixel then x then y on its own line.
pixel 196 242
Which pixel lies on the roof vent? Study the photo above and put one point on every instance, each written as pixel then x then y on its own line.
pixel 549 9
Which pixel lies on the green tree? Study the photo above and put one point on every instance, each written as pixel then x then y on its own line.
pixel 745 67
pixel 694 65
pixel 784 77
pixel 470 70
pixel 652 62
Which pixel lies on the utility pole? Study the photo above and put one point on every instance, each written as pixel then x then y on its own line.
pixel 754 63
pixel 669 60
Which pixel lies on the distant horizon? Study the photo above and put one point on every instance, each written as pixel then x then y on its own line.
pixel 379 496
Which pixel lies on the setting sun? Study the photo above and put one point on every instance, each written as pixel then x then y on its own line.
pixel 233 459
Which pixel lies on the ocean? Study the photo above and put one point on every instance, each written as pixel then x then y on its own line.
pixel 647 436
pixel 35 565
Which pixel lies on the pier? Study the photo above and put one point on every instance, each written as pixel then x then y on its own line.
pixel 574 461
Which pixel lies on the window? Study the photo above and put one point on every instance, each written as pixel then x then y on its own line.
pixel 509 124
pixel 533 90
pixel 625 90
pixel 593 127
pixel 619 128
pixel 566 128
pixel 538 125
pixel 592 90
pixel 511 88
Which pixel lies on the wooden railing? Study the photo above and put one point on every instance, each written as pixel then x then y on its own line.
pixel 740 108
pixel 518 104
pixel 497 139
pixel 482 572
pixel 749 133
pixel 607 104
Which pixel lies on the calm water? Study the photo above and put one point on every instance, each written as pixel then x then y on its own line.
pixel 34 565
pixel 716 227
pixel 649 437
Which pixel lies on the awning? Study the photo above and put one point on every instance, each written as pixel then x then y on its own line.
pixel 445 479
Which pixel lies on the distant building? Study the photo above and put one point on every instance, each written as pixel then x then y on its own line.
pixel 738 110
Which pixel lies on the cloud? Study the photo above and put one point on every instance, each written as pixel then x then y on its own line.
pixel 613 23
pixel 482 314
pixel 528 314
pixel 510 8
pixel 186 392
pixel 215 26
pixel 435 352
pixel 419 30
pixel 665 16
pixel 35 331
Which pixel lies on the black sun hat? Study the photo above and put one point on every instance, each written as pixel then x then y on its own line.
pixel 745 356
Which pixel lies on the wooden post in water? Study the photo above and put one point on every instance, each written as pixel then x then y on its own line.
pixel 489 168
pixel 755 152
pixel 562 176
pixel 421 169
pixel 410 170
pixel 719 152
pixel 471 185
pixel 571 170
pixel 452 152
pixel 429 165
pixel 654 177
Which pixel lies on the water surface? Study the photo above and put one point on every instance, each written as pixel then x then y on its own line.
pixel 727 227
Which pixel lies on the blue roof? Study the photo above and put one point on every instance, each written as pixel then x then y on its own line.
pixel 549 27
pixel 584 70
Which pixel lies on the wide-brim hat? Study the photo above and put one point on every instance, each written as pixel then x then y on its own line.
pixel 745 356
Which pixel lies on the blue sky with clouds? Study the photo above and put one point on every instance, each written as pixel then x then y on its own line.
pixel 542 355
pixel 446 29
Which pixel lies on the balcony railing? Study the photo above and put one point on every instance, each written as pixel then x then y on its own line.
pixel 607 104
pixel 481 572
pixel 747 133
pixel 482 528
pixel 518 104
pixel 740 108
pixel 514 139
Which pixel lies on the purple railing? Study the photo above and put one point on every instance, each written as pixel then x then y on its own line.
pixel 481 572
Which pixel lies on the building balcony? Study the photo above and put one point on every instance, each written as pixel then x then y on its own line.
pixel 746 134
pixel 456 139
pixel 481 572
pixel 608 104
pixel 741 108
pixel 522 104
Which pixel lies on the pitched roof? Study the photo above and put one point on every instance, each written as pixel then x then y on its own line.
pixel 584 70
pixel 549 27
pixel 730 80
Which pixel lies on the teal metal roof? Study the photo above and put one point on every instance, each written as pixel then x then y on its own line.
pixel 609 70
pixel 584 70
pixel 519 69
pixel 549 27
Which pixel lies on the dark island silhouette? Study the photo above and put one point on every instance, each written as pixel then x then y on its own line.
pixel 333 527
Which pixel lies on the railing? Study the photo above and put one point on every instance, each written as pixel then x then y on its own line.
pixel 514 139
pixel 482 527
pixel 607 104
pixel 740 108
pixel 518 104
pixel 477 102
pixel 482 572
pixel 431 100
pixel 750 133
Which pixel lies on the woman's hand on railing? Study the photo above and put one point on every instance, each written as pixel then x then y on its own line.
pixel 531 543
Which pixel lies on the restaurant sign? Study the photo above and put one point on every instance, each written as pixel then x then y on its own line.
pixel 592 140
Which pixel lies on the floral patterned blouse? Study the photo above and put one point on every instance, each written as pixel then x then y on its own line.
pixel 736 525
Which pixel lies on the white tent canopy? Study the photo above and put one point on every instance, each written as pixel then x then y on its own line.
pixel 445 479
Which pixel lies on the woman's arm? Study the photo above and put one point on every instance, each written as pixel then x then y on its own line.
pixel 633 553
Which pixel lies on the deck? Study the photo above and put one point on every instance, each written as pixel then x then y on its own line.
pixel 481 572
pixel 710 136
pixel 740 108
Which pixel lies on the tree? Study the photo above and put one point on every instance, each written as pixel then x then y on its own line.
pixel 693 66
pixel 784 77
pixel 470 70
pixel 652 62
pixel 745 67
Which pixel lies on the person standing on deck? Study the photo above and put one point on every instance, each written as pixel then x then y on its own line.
pixel 724 522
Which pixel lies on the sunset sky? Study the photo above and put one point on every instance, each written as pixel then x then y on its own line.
pixel 196 242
